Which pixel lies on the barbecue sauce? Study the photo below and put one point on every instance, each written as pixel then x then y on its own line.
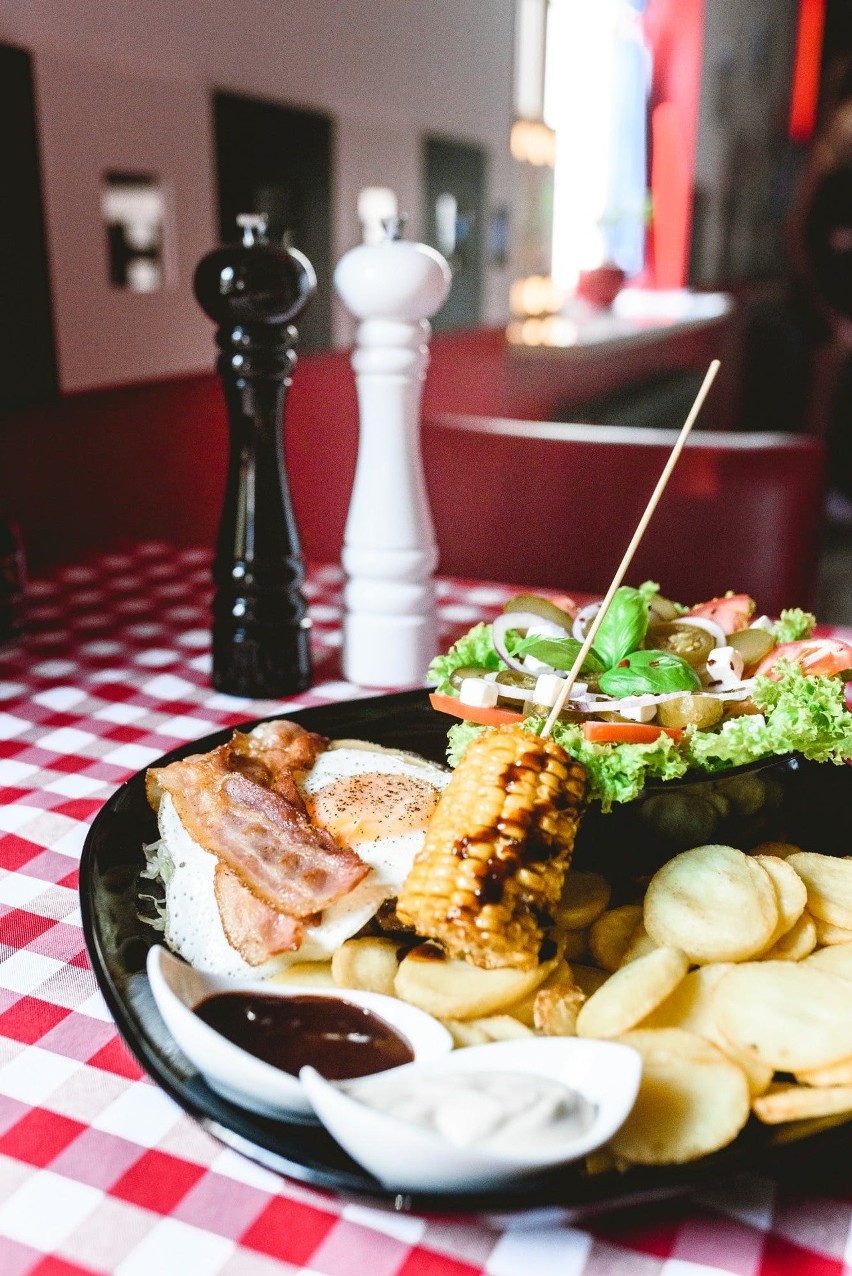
pixel 336 1037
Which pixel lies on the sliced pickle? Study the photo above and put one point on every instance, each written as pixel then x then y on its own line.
pixel 687 641
pixel 752 644
pixel 512 678
pixel 540 607
pixel 661 609
pixel 533 710
pixel 458 676
pixel 690 710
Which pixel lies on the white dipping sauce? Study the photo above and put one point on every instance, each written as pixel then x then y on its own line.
pixel 507 1112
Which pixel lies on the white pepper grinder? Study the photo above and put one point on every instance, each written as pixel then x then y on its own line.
pixel 389 552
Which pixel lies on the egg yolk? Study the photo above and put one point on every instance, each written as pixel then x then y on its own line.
pixel 360 808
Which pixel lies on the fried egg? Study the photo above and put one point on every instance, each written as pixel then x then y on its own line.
pixel 378 801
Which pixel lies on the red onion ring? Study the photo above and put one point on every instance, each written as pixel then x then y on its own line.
pixel 522 620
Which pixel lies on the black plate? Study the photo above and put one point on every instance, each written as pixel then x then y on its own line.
pixel 118 942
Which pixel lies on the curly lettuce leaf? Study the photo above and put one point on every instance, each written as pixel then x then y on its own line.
pixel 459 737
pixel 802 713
pixel 793 625
pixel 649 589
pixel 618 773
pixel 806 713
pixel 475 649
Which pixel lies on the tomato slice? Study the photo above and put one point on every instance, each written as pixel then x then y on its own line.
pixel 815 655
pixel 473 713
pixel 730 613
pixel 627 732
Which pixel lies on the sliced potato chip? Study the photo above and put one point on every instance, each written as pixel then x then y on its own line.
pixel 799 1102
pixel 799 941
pixel 692 1099
pixel 690 1007
pixel 584 898
pixel 450 988
pixel 837 959
pixel 779 849
pixel 313 974
pixel 714 903
pixel 829 884
pixel 556 1010
pixel 791 893
pixel 839 1073
pixel 466 1032
pixel 561 976
pixel 503 1028
pixel 639 945
pixel 790 1015
pixel 612 932
pixel 370 964
pixel 601 1161
pixel 828 934
pixel 632 993
pixel 478 1032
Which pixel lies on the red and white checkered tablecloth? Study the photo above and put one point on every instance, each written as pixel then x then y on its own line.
pixel 100 1172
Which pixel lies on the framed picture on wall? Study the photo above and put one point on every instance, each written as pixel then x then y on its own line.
pixel 130 208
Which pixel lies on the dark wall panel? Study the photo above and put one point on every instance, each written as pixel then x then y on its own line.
pixel 27 358
pixel 457 172
pixel 276 160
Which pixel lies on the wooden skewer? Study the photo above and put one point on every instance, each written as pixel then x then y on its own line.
pixel 631 548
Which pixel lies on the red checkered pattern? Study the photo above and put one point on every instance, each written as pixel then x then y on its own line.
pixel 99 1171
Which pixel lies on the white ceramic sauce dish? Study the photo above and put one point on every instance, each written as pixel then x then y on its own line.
pixel 409 1157
pixel 241 1077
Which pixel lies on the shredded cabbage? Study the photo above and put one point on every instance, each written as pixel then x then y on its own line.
pixel 159 867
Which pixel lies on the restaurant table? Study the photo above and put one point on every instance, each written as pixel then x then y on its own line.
pixel 100 1171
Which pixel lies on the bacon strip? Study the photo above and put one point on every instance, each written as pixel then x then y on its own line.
pixel 240 802
pixel 257 931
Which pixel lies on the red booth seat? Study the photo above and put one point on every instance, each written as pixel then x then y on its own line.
pixel 517 499
pixel 556 505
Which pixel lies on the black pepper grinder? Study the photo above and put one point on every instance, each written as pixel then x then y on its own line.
pixel 261 629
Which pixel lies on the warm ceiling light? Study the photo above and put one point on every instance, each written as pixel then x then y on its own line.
pixel 532 142
pixel 535 295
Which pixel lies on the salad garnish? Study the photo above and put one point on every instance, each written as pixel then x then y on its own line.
pixel 666 689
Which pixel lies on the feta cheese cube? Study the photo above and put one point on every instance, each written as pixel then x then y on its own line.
pixel 478 693
pixel 637 708
pixel 725 668
pixel 549 688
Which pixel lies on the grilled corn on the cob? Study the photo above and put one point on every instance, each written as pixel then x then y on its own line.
pixel 489 877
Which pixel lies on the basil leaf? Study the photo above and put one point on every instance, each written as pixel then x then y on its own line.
pixel 559 653
pixel 649 672
pixel 624 626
